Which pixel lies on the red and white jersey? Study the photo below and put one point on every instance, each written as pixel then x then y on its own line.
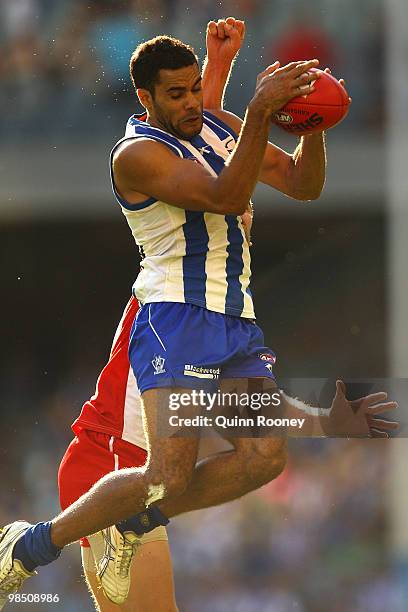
pixel 115 408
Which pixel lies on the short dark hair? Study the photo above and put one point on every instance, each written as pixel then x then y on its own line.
pixel 161 52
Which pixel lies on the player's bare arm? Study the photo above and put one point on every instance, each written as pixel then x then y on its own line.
pixel 344 418
pixel 224 39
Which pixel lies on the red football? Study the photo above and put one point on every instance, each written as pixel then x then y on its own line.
pixel 318 111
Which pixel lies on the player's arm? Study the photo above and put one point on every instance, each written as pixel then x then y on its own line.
pixel 148 168
pixel 142 167
pixel 224 39
pixel 345 418
pixel 300 175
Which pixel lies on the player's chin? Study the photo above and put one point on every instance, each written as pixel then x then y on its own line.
pixel 191 127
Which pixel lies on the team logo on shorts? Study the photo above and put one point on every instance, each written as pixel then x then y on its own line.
pixel 158 363
pixel 267 357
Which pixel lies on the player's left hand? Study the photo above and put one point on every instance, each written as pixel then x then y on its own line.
pixel 358 418
pixel 224 39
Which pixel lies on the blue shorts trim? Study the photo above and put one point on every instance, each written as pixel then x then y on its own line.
pixel 184 345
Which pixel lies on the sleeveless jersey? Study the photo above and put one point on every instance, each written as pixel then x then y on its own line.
pixel 193 257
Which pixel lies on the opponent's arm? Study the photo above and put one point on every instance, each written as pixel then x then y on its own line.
pixel 345 418
pixel 224 39
pixel 149 168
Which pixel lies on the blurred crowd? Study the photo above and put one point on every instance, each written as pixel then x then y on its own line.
pixel 64 63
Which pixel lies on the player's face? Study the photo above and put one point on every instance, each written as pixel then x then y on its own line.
pixel 177 106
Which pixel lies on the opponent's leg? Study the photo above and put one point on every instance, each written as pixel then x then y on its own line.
pixel 152 584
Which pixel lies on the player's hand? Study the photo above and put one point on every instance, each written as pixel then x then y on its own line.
pixel 276 85
pixel 358 418
pixel 224 39
pixel 247 219
pixel 341 81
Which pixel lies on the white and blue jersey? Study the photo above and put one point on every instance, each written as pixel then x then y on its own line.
pixel 192 257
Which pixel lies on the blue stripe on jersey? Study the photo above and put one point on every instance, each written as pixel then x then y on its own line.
pixel 195 277
pixel 139 206
pixel 219 127
pixel 234 299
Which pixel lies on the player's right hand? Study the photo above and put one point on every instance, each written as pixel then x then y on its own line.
pixel 276 85
pixel 224 39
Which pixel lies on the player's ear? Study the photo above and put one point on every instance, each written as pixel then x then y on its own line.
pixel 145 98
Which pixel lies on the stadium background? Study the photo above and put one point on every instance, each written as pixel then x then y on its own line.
pixel 321 537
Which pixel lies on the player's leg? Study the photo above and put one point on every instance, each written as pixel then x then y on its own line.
pixel 250 464
pixel 88 565
pixel 152 584
pixel 215 480
pixel 228 475
pixel 121 494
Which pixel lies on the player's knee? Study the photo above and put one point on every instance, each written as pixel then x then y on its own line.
pixel 267 460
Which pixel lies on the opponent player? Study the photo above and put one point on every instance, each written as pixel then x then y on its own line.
pixel 173 99
pixel 109 431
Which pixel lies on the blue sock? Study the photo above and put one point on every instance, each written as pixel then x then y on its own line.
pixel 143 522
pixel 35 547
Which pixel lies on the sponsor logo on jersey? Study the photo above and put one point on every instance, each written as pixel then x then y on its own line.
pixel 199 372
pixel 158 364
pixel 269 367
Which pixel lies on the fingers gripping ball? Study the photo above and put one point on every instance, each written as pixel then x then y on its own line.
pixel 322 109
